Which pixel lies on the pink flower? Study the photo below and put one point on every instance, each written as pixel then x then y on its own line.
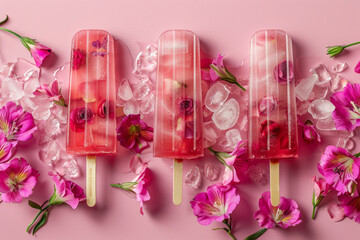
pixel 80 117
pixel 284 71
pixel 285 215
pixel 17 180
pixel 309 132
pixel 138 186
pixel 336 212
pixel 16 124
pixel 38 52
pixel 321 189
pixel 218 65
pixel 357 68
pixel 340 169
pixel 347 107
pixel 351 205
pixel 54 93
pixel 205 68
pixel 137 165
pixel 105 107
pixel 215 204
pixel 134 134
pixel 78 59
pixel 7 149
pixel 66 192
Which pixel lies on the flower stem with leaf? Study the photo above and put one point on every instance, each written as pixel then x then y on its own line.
pixel 44 212
pixel 226 75
pixel 335 50
pixel 227 229
pixel 257 234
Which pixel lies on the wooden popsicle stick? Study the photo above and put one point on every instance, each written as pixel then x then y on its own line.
pixel 177 181
pixel 91 180
pixel 274 182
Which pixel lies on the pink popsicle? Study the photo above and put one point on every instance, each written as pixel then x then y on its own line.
pixel 91 117
pixel 178 109
pixel 91 126
pixel 272 130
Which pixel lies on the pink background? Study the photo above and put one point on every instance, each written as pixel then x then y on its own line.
pixel 222 26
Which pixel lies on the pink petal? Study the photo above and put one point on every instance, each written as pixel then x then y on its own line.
pixel 336 212
pixel 357 68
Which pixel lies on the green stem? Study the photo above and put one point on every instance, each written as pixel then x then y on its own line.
pixel 42 210
pixel 357 155
pixel 257 234
pixel 7 30
pixel 228 224
pixel 352 44
pixel 313 212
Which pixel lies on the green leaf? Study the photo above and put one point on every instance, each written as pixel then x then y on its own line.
pixel 125 186
pixel 257 234
pixel 221 229
pixel 357 155
pixel 34 205
pixel 41 222
pixel 4 21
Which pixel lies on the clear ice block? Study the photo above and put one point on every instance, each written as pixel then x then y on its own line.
pixel 272 134
pixel 178 108
pixel 92 99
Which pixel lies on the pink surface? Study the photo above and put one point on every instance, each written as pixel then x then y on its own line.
pixel 222 27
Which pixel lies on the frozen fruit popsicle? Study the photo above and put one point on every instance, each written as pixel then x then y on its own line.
pixel 272 106
pixel 91 126
pixel 178 110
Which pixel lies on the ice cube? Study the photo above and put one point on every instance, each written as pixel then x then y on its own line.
pixel 5 70
pixel 71 168
pixel 131 107
pixel 23 70
pixel 302 107
pixel 27 104
pixel 324 75
pixel 326 124
pixel 216 96
pixel 140 90
pixel 124 90
pixel 211 133
pixel 12 89
pixel 321 109
pixel 147 105
pixel 227 115
pixel 233 138
pixel 211 172
pixel 52 126
pixel 305 87
pixel 339 67
pixel 243 122
pixel 193 177
pixel 338 83
pixel 319 92
pixel 30 86
pixel 257 174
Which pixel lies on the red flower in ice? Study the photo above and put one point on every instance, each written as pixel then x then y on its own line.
pixel 80 117
pixel 284 72
pixel 78 59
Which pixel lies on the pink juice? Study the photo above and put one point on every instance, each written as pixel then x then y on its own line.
pixel 92 100
pixel 178 109
pixel 272 105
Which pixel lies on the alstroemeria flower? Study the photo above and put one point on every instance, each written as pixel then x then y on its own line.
pixel 284 71
pixel 285 215
pixel 16 124
pixel 38 52
pixel 138 186
pixel 351 205
pixel 340 169
pixel 7 149
pixel 17 180
pixel 347 107
pixel 66 192
pixel 80 117
pixel 218 71
pixel 53 92
pixel 321 189
pixel 216 204
pixel 309 132
pixel 134 133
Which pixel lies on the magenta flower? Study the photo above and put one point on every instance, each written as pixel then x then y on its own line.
pixel 357 68
pixel 282 71
pixel 285 215
pixel 78 59
pixel 217 71
pixel 80 117
pixel 17 180
pixel 351 205
pixel 340 169
pixel 347 107
pixel 138 186
pixel 216 204
pixel 267 105
pixel 65 191
pixel 309 132
pixel 7 149
pixel 16 124
pixel 186 106
pixel 104 108
pixel 134 133
pixel 53 92
pixel 321 189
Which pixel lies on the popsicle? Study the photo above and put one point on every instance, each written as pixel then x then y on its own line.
pixel 272 132
pixel 91 128
pixel 178 109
